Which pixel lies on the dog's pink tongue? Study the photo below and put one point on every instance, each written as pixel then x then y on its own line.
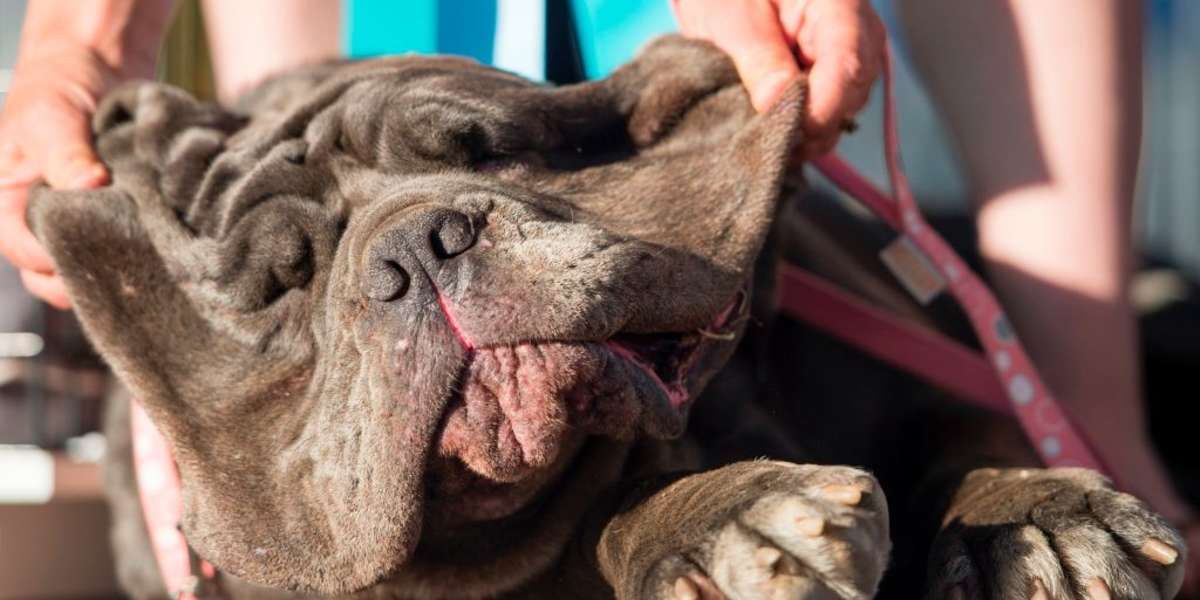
pixel 513 419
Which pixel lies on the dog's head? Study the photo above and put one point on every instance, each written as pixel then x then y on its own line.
pixel 413 286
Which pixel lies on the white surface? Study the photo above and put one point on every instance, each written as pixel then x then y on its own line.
pixel 20 345
pixel 26 475
pixel 521 38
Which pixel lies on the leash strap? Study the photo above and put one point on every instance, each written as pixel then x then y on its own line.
pixel 162 507
pixel 923 352
pixel 1046 425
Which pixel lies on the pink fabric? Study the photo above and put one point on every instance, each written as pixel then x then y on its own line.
pixel 162 505
pixel 889 338
pixel 1046 425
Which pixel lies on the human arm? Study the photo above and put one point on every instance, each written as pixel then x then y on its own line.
pixel 70 54
pixel 252 40
pixel 1044 103
pixel 840 42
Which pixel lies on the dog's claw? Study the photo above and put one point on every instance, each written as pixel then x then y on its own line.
pixel 797 538
pixel 685 589
pixel 1039 590
pixel 1098 590
pixel 848 495
pixel 1160 552
pixel 810 526
pixel 768 557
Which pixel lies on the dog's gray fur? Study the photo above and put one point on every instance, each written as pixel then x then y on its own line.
pixel 375 289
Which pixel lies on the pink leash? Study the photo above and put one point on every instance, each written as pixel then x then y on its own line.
pixel 186 576
pixel 1005 379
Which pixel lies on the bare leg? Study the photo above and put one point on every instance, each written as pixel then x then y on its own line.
pixel 251 40
pixel 1044 101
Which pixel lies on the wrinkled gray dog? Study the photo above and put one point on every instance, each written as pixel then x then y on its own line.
pixel 417 328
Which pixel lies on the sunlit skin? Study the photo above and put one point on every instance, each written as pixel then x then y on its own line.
pixel 1049 133
pixel 70 54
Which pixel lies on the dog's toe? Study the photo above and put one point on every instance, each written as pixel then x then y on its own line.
pixel 818 533
pixel 1058 533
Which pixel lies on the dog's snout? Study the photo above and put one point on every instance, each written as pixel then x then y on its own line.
pixel 412 243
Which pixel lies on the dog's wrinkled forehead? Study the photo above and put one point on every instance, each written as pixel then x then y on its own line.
pixel 250 204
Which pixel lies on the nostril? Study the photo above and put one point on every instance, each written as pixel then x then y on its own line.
pixel 385 281
pixel 452 235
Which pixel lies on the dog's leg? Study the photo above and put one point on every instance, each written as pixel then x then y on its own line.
pixel 757 529
pixel 1032 533
pixel 1052 533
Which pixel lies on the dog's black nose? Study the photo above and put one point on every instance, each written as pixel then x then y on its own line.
pixel 415 241
pixel 452 234
pixel 385 280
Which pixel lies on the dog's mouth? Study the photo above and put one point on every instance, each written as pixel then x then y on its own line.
pixel 520 412
pixel 665 358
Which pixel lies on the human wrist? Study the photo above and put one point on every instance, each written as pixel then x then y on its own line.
pixel 122 36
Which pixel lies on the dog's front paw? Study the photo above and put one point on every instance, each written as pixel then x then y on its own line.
pixel 1053 533
pixel 767 530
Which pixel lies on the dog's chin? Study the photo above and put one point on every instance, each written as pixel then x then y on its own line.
pixel 457 496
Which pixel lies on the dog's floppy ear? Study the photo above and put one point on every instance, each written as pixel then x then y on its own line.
pixel 132 310
pixel 688 167
pixel 128 258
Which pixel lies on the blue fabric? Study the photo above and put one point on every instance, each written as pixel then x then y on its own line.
pixel 378 27
pixel 612 31
pixel 467 28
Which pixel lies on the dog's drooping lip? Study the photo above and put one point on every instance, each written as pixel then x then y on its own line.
pixel 521 411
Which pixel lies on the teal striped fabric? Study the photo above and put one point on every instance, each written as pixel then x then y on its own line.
pixel 462 27
pixel 611 31
pixel 378 27
pixel 507 33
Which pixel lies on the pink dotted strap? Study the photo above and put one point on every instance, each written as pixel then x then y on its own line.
pixel 885 336
pixel 1045 423
pixel 162 506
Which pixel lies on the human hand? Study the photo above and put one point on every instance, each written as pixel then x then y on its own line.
pixel 841 42
pixel 45 134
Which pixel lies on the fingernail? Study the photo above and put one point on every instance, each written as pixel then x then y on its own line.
pixel 1160 552
pixel 87 176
